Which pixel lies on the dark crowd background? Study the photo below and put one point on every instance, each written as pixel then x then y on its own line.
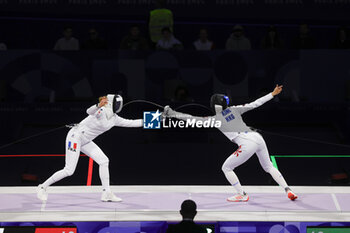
pixel 45 84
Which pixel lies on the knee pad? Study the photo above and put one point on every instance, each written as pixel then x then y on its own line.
pixel 268 168
pixel 68 172
pixel 226 168
pixel 104 162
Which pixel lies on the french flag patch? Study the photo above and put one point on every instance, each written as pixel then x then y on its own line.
pixel 72 146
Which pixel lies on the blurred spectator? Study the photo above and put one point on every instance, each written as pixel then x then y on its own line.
pixel 160 18
pixel 67 42
pixel 271 40
pixel 304 40
pixel 168 41
pixel 203 43
pixel 342 41
pixel 237 40
pixel 134 40
pixel 187 225
pixel 182 94
pixel 3 46
pixel 94 41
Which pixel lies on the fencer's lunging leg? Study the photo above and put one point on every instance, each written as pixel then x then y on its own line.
pixel 242 154
pixel 73 144
pixel 72 157
pixel 94 152
pixel 104 175
pixel 264 159
pixel 234 181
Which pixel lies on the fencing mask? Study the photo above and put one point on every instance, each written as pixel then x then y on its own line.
pixel 219 102
pixel 114 105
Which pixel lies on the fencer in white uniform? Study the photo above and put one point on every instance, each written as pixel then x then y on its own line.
pixel 101 117
pixel 248 141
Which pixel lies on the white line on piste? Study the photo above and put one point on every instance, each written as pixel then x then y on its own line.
pixel 336 203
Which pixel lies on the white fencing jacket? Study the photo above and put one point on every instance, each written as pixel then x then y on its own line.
pixel 97 122
pixel 232 123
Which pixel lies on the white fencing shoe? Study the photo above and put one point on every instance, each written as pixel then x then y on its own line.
pixel 110 197
pixel 292 195
pixel 239 198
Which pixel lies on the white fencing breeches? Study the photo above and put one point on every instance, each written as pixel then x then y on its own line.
pixel 248 144
pixel 74 144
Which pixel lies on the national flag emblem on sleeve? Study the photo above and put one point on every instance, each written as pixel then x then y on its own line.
pixel 72 147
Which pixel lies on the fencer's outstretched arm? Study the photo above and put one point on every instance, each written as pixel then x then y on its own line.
pixel 122 122
pixel 257 103
pixel 182 116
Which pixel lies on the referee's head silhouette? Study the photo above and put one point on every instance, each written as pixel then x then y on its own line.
pixel 188 210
